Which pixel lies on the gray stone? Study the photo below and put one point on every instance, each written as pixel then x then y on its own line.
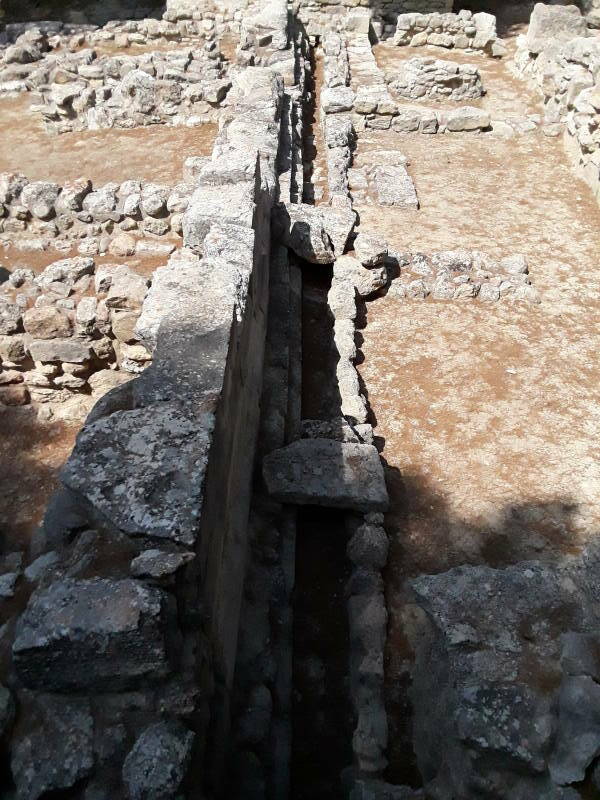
pixel 336 100
pixel 321 472
pixel 67 270
pixel 39 198
pixel 8 584
pixel 578 731
pixel 394 187
pixel 371 250
pixel 58 752
pixel 47 322
pixel 366 281
pixel 154 199
pixel 10 317
pixel 254 723
pixel 552 24
pixel 92 634
pixel 372 789
pixel 143 469
pixel 159 563
pixel 486 721
pixel 158 762
pixel 73 351
pixel 467 118
pixel 302 228
pixel 7 711
pixel 12 349
pixel 369 546
pixel 38 568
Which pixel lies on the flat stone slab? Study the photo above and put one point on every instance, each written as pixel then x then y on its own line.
pixel 143 470
pixel 394 187
pixel 327 473
pixel 94 634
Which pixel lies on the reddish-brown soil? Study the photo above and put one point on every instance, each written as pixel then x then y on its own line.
pixel 487 415
pixel 102 156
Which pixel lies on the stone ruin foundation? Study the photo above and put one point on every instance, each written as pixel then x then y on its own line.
pixel 299 401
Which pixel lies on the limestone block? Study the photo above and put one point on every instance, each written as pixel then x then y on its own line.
pixel 327 473
pixel 92 634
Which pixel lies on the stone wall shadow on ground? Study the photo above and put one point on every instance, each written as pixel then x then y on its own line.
pixel 427 537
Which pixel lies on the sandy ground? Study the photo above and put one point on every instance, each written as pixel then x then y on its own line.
pixel 156 152
pixel 488 415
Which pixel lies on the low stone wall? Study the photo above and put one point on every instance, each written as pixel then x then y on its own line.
pixel 119 218
pixel 69 332
pixel 372 103
pixel 433 78
pixel 461 275
pixel 134 616
pixel 82 90
pixel 560 59
pixel 320 16
pixel 463 31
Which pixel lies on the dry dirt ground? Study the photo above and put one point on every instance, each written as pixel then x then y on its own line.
pixel 155 152
pixel 488 415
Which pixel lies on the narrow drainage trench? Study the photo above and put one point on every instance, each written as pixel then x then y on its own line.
pixel 322 716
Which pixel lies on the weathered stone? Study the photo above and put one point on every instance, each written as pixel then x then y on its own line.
pixel 369 546
pixel 370 250
pixel 154 199
pixel 158 762
pixel 122 245
pixel 72 350
pixel 336 100
pixel 47 322
pixel 8 376
pixel 143 470
pixel 92 634
pixel 365 281
pixel 578 729
pixel 58 753
pixel 39 198
pixel 320 472
pixel 302 229
pixel 68 271
pixel 10 317
pixel 490 726
pixel 394 187
pixel 159 563
pixel 14 395
pixel 550 24
pixel 7 711
pixel 467 118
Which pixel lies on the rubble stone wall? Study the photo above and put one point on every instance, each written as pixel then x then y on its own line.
pixel 319 16
pixel 562 61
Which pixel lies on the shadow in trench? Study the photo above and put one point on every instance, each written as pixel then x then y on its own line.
pixel 323 716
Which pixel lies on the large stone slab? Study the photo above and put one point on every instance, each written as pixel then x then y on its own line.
pixel 550 24
pixel 503 691
pixel 143 470
pixel 96 634
pixel 394 187
pixel 327 473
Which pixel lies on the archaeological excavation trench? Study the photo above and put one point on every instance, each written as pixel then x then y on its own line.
pixel 299 405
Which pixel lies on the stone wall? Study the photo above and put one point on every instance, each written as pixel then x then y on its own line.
pixel 320 16
pixel 562 61
pixel 150 527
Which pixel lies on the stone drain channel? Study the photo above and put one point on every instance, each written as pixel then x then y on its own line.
pixel 312 406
